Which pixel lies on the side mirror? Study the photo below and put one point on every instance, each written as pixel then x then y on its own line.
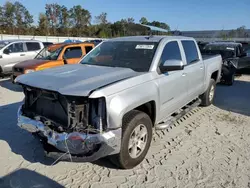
pixel 171 65
pixel 6 51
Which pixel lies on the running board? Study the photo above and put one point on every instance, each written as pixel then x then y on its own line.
pixel 178 115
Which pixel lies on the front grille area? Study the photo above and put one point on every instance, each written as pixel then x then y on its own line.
pixel 48 104
pixel 65 113
pixel 61 113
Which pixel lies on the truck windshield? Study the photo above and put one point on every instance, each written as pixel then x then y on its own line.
pixel 45 54
pixel 3 44
pixel 127 54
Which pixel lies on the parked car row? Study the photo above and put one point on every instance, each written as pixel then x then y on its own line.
pixel 24 56
pixel 53 56
pixel 15 51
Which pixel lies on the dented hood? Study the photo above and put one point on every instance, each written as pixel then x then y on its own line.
pixel 75 80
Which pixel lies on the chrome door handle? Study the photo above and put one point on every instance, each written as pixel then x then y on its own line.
pixel 22 54
pixel 201 67
pixel 184 74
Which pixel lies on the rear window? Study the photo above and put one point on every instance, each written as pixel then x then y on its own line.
pixel 33 46
pixel 73 52
pixel 190 51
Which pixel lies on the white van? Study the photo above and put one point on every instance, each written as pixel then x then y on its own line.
pixel 15 51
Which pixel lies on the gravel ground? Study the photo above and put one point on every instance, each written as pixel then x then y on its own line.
pixel 209 147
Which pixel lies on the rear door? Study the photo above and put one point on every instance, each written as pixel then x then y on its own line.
pixel 32 48
pixel 73 54
pixel 16 55
pixel 173 86
pixel 194 68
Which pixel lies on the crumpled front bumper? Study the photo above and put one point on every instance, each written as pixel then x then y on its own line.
pixel 81 146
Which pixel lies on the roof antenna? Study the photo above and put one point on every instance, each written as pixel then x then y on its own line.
pixel 150 34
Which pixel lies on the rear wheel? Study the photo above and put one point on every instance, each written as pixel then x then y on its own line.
pixel 230 79
pixel 228 75
pixel 136 139
pixel 208 97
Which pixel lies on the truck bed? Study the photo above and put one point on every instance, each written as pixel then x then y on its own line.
pixel 205 57
pixel 212 64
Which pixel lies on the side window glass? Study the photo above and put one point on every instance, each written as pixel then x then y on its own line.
pixel 16 47
pixel 73 52
pixel 171 52
pixel 190 51
pixel 33 46
pixel 88 49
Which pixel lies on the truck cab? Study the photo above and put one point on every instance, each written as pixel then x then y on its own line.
pixel 15 51
pixel 53 56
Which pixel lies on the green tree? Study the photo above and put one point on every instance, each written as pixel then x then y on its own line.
pixel 232 33
pixel 64 21
pixel 223 35
pixel 241 31
pixel 23 19
pixel 131 20
pixel 101 19
pixel 43 25
pixel 143 20
pixel 103 25
pixel 80 18
pixel 2 29
pixel 9 17
pixel 52 13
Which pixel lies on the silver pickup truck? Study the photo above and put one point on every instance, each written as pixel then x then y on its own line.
pixel 110 103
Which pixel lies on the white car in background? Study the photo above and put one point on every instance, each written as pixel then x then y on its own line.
pixel 15 51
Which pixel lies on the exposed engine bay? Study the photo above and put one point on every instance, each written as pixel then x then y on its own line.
pixel 65 113
pixel 69 127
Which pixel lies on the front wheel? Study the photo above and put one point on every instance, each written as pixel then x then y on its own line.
pixel 208 97
pixel 136 139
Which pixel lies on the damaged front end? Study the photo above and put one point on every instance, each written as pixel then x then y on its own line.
pixel 73 125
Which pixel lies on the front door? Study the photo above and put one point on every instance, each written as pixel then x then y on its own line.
pixel 173 86
pixel 72 55
pixel 16 55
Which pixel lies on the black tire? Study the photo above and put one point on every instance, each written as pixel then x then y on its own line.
pixel 230 80
pixel 130 121
pixel 205 99
pixel 229 75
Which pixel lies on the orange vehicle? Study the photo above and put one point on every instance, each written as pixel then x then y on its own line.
pixel 53 56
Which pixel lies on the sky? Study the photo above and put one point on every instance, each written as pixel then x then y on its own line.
pixel 184 15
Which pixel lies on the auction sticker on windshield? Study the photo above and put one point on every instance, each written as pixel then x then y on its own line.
pixel 145 47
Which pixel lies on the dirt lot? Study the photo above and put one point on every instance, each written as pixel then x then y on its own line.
pixel 207 148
